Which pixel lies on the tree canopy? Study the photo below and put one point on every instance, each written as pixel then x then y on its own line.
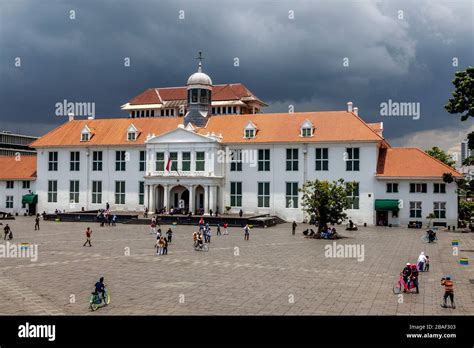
pixel 326 202
pixel 441 155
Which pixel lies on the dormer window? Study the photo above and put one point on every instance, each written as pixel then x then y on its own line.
pixel 132 133
pixel 306 129
pixel 250 130
pixel 85 134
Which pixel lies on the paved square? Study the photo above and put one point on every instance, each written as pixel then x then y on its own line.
pixel 274 273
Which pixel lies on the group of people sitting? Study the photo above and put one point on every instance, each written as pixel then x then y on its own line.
pixel 105 216
pixel 329 233
pixel 431 235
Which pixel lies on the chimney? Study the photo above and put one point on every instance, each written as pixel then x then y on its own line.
pixel 356 111
pixel 71 116
pixel 349 107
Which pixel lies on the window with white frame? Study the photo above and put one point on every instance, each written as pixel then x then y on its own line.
pixel 415 210
pixel 160 162
pixel 264 160
pixel 292 159
pixel 418 188
pixel 352 160
pixel 141 192
pixel 26 184
pixel 9 202
pixel 439 188
pixel 235 194
pixel 322 159
pixel 52 191
pixel 10 184
pixel 74 164
pixel 291 195
pixel 132 132
pixel 200 161
pixel 120 192
pixel 250 130
pixel 353 196
pixel 306 129
pixel 120 164
pixel 52 161
pixel 263 195
pixel 97 161
pixel 186 161
pixel 439 210
pixel 142 162
pixel 392 187
pixel 85 134
pixel 97 192
pixel 236 160
pixel 74 191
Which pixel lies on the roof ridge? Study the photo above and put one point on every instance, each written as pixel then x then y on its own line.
pixel 437 160
pixel 368 127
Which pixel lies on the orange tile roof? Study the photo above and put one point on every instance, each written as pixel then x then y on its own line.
pixel 11 169
pixel 232 91
pixel 375 126
pixel 410 162
pixel 331 126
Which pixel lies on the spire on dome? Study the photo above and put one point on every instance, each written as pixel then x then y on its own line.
pixel 200 61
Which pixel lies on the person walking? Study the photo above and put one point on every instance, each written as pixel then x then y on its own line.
pixel 153 226
pixel 6 230
pixel 241 213
pixel 169 234
pixel 37 222
pixel 226 231
pixel 448 292
pixel 208 234
pixel 246 232
pixel 165 247
pixel 293 228
pixel 88 236
pixel 421 262
pixel 218 230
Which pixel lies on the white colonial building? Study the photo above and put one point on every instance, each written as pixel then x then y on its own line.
pixel 256 162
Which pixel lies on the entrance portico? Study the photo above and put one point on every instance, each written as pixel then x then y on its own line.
pixel 190 194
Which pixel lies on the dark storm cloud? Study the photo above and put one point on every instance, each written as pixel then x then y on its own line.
pixel 284 61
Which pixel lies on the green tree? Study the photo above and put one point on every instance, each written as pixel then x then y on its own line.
pixel 462 101
pixel 466 210
pixel 440 155
pixel 326 202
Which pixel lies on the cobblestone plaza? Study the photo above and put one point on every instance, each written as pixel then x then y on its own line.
pixel 274 273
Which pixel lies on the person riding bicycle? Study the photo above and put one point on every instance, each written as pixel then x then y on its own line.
pixel 406 273
pixel 100 288
pixel 200 240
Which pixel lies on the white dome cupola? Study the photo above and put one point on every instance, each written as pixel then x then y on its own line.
pixel 199 88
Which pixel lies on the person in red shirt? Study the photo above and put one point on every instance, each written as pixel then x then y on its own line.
pixel 88 236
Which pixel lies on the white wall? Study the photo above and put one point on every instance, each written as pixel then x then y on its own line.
pixel 278 176
pixel 108 176
pixel 17 192
pixel 427 199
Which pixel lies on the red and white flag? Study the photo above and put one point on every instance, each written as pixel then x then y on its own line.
pixel 168 164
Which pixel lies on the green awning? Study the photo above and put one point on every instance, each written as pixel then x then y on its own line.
pixel 387 205
pixel 30 198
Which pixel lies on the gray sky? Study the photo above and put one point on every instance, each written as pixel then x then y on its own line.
pixel 285 61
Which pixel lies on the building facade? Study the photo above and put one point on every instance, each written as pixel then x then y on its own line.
pixel 254 162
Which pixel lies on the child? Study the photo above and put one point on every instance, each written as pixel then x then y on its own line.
pixel 427 264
